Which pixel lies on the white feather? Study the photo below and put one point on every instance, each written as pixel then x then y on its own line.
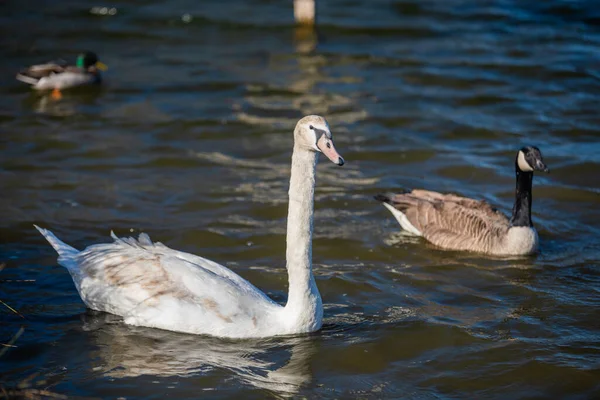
pixel 64 80
pixel 521 240
pixel 522 162
pixel 27 79
pixel 402 220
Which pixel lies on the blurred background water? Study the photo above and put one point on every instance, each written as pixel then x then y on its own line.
pixel 190 141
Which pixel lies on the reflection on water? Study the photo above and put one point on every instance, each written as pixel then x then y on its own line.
pixel 124 352
pixel 305 39
pixel 299 95
pixel 45 104
pixel 72 102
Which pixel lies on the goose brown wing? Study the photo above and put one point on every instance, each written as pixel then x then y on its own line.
pixel 466 225
pixel 478 208
pixel 452 221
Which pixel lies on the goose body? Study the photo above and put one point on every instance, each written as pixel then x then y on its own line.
pixel 60 75
pixel 458 223
pixel 152 285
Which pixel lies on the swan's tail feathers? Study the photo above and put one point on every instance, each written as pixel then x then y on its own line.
pixel 398 204
pixel 64 250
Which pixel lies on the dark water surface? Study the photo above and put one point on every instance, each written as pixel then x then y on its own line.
pixel 190 141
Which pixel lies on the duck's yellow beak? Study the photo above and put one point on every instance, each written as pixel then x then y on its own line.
pixel 101 66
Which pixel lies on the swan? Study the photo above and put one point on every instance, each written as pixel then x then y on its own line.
pixel 152 285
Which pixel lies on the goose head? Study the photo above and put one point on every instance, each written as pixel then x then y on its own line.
pixel 312 133
pixel 530 159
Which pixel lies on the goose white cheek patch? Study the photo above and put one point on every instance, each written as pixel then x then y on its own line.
pixel 326 146
pixel 523 164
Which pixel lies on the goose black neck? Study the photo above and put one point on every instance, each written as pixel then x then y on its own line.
pixel 521 213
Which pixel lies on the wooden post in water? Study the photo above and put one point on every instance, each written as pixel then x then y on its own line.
pixel 305 12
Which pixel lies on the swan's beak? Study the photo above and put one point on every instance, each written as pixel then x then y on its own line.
pixel 326 146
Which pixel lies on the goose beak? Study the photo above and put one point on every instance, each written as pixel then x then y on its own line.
pixel 540 166
pixel 101 66
pixel 326 146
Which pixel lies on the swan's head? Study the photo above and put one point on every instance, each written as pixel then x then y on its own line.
pixel 312 133
pixel 530 159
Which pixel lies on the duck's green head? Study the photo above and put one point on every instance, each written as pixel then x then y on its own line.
pixel 90 59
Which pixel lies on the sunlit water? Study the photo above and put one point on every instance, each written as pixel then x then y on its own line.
pixel 190 141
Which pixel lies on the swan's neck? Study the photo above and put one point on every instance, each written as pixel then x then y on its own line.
pixel 304 305
pixel 521 213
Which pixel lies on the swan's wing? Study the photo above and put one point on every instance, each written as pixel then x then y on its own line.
pixel 128 261
pixel 158 286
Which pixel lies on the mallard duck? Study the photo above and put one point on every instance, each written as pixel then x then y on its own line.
pixel 60 75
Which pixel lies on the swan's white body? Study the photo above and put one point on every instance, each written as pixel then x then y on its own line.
pixel 152 285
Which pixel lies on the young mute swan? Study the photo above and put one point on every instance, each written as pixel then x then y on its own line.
pixel 152 285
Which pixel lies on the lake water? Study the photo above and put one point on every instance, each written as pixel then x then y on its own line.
pixel 190 141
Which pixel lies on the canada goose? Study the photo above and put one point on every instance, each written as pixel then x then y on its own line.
pixel 60 75
pixel 458 223
pixel 152 285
